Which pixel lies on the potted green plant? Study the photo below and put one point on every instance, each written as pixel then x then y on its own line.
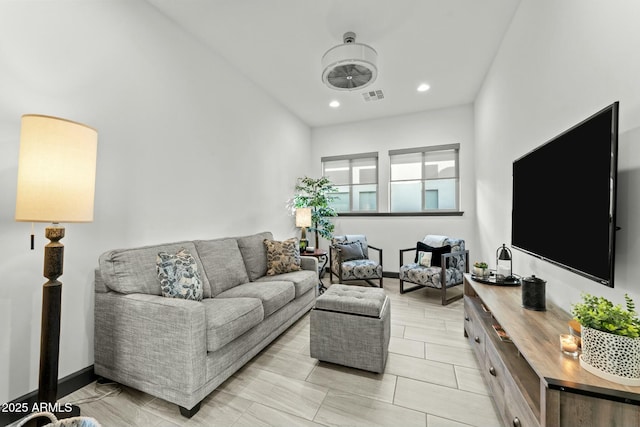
pixel 610 338
pixel 317 193
pixel 480 269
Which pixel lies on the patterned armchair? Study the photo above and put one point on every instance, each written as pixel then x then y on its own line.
pixel 433 275
pixel 349 259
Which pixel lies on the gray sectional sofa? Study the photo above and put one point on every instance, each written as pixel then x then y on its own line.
pixel 181 350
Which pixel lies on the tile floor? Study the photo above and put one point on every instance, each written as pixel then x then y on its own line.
pixel 431 380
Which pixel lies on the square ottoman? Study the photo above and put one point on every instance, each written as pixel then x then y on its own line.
pixel 350 326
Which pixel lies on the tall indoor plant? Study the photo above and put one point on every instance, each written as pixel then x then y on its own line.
pixel 610 338
pixel 317 193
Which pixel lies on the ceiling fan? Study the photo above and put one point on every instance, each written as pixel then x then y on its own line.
pixel 349 66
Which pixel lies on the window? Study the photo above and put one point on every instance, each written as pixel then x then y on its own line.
pixel 424 179
pixel 356 177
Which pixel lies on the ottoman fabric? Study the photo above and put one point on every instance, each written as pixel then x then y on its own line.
pixel 352 300
pixel 350 326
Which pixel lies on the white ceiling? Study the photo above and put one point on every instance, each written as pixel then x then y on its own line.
pixel 278 44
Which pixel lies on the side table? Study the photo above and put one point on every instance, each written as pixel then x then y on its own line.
pixel 321 255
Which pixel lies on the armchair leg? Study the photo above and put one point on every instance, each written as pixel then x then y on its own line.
pixel 373 284
pixel 404 290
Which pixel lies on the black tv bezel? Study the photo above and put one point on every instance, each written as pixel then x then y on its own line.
pixel 613 174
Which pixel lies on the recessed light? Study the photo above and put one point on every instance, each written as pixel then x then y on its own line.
pixel 334 104
pixel 423 87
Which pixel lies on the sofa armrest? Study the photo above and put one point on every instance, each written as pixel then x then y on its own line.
pixel 309 263
pixel 151 339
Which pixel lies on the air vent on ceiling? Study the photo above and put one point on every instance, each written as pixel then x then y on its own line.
pixel 373 95
pixel 349 66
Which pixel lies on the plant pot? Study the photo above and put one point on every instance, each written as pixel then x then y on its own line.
pixel 613 357
pixel 480 272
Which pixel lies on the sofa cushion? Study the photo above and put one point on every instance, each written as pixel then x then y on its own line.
pixel 223 264
pixel 282 257
pixel 179 276
pixel 228 318
pixel 302 280
pixel 274 295
pixel 254 254
pixel 131 271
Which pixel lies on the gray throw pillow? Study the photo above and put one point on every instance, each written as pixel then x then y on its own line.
pixel 179 276
pixel 350 251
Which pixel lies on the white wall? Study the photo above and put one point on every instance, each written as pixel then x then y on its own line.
pixel 391 233
pixel 559 63
pixel 187 148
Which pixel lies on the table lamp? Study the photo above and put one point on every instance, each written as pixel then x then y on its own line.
pixel 303 220
pixel 56 183
pixel 503 263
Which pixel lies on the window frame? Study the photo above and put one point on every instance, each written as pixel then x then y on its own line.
pixel 455 148
pixel 350 158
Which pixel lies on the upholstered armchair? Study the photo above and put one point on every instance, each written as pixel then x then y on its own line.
pixel 350 259
pixel 437 260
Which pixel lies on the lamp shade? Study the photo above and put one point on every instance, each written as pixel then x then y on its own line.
pixel 303 217
pixel 56 170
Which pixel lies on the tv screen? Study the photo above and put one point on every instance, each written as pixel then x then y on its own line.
pixel 564 198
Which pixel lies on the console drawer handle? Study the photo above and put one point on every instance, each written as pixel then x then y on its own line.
pixel 477 339
pixel 492 371
pixel 516 422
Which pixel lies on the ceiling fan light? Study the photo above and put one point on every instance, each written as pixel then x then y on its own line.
pixel 349 66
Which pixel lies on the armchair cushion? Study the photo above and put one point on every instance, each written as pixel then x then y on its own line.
pixel 350 250
pixel 426 276
pixel 435 253
pixel 361 269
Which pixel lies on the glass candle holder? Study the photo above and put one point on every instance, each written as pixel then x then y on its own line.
pixel 569 345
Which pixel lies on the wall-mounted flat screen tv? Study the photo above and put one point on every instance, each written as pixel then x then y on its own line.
pixel 564 198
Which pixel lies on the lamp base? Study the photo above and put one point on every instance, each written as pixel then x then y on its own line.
pixel 61 411
pixel 68 411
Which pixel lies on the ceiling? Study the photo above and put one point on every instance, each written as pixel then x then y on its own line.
pixel 278 44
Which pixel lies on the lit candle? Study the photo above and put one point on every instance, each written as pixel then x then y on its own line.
pixel 569 346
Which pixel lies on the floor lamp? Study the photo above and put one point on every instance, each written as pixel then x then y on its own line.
pixel 56 183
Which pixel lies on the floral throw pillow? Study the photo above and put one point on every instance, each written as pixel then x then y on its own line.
pixel 424 258
pixel 282 257
pixel 179 276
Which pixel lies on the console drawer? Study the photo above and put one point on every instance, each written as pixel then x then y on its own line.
pixel 495 373
pixel 517 412
pixel 474 329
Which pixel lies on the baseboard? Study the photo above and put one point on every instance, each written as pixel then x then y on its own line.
pixel 389 274
pixel 66 385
